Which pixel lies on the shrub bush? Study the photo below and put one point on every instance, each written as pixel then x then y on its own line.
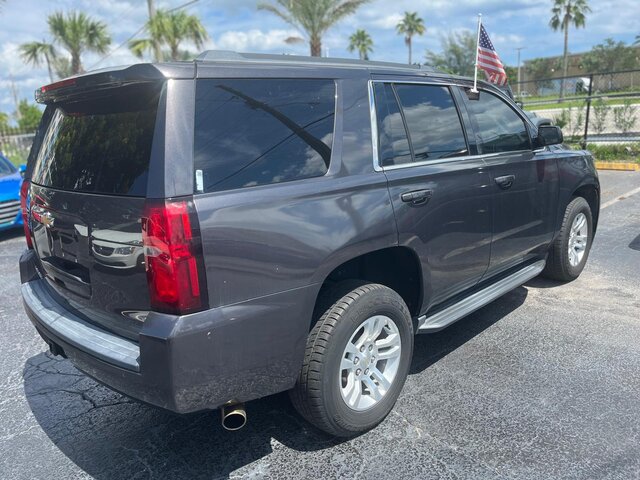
pixel 614 152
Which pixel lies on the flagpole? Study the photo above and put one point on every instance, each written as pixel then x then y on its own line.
pixel 475 71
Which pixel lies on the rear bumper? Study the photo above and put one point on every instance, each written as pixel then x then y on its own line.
pixel 183 363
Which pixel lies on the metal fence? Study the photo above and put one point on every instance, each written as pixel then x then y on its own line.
pixel 591 108
pixel 15 144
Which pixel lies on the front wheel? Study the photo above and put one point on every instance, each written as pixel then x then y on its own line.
pixel 357 359
pixel 569 252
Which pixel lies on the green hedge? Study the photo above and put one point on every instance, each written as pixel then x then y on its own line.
pixel 615 152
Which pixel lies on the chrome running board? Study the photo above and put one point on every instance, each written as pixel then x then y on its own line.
pixel 453 313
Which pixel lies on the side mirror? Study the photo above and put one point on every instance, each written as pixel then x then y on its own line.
pixel 22 169
pixel 549 135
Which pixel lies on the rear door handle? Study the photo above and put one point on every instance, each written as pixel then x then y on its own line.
pixel 416 197
pixel 505 182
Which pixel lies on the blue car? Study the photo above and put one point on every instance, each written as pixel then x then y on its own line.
pixel 10 183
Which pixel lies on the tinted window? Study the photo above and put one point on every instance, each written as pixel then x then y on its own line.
pixel 258 131
pixel 393 143
pixel 6 168
pixel 100 145
pixel 499 128
pixel 433 122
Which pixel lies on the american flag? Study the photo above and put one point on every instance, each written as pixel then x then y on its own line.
pixel 489 61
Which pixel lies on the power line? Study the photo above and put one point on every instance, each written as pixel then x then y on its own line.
pixel 137 32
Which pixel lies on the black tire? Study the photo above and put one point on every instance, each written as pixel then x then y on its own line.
pixel 316 395
pixel 558 265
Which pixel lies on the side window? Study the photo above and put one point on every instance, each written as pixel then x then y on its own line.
pixel 392 137
pixel 252 132
pixel 433 122
pixel 499 128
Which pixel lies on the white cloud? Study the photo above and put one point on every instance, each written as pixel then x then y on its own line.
pixel 255 39
pixel 388 21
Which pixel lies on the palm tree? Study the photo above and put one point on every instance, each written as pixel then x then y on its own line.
pixel 313 17
pixel 409 26
pixel 77 33
pixel 564 14
pixel 37 52
pixel 170 29
pixel 362 42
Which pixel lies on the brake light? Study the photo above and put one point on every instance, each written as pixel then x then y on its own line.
pixel 173 256
pixel 56 85
pixel 24 194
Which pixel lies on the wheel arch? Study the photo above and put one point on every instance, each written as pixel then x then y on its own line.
pixel 396 267
pixel 591 193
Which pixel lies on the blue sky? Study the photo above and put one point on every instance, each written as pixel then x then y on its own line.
pixel 237 25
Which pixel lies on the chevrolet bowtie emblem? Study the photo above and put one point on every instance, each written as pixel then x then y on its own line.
pixel 47 219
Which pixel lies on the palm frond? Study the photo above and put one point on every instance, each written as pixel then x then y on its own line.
pixel 140 46
pixel 35 53
pixel 294 40
pixel 276 11
pixel 312 17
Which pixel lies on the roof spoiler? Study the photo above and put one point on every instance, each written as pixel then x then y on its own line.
pixel 111 78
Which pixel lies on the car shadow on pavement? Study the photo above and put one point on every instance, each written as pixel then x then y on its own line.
pixel 542 282
pixel 110 436
pixel 11 234
pixel 428 349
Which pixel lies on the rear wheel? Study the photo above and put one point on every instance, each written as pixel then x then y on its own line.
pixel 569 252
pixel 357 359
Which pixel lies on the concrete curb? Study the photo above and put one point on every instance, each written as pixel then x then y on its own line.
pixel 625 166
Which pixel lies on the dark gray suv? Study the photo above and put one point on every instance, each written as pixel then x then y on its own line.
pixel 206 233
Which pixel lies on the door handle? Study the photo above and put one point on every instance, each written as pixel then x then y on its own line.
pixel 416 197
pixel 505 182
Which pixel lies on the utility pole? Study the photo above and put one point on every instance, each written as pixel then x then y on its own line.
pixel 157 51
pixel 518 50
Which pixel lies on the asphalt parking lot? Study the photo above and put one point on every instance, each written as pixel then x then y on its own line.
pixel 542 383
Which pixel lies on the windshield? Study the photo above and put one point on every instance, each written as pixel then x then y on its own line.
pixel 6 168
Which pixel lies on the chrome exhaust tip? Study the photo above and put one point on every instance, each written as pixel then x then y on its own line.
pixel 234 417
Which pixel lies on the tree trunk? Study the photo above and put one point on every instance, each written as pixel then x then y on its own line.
pixel 48 60
pixel 315 43
pixel 76 64
pixel 409 45
pixel 157 51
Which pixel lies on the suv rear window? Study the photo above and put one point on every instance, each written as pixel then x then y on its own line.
pixel 252 132
pixel 100 144
pixel 432 119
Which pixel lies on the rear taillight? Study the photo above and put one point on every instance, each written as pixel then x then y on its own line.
pixel 173 256
pixel 24 205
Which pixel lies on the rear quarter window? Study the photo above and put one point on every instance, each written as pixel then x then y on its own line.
pixel 251 132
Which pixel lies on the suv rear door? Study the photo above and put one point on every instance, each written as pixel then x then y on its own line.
pixel 524 183
pixel 88 187
pixel 438 186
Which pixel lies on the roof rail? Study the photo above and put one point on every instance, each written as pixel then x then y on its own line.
pixel 231 56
